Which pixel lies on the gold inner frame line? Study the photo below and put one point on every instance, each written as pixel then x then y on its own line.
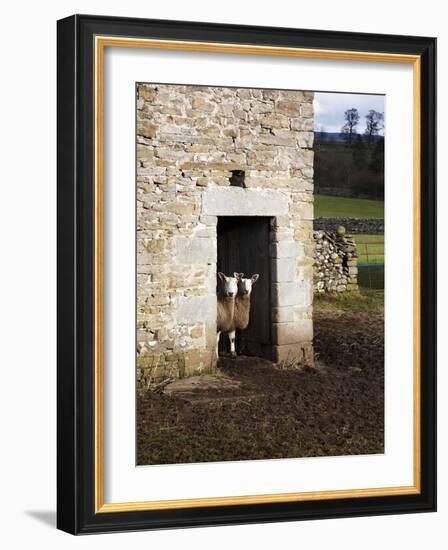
pixel 101 42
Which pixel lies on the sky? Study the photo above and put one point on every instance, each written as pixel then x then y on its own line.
pixel 329 109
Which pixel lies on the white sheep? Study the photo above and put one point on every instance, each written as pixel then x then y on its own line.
pixel 227 290
pixel 242 301
pixel 233 306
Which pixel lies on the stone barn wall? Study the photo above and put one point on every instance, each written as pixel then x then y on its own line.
pixel 191 140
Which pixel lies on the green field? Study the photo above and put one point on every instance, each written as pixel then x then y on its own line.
pixel 364 301
pixel 370 248
pixel 326 206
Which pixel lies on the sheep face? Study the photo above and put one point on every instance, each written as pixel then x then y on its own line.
pixel 229 285
pixel 245 285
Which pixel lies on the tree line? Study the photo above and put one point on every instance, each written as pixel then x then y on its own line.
pixel 374 124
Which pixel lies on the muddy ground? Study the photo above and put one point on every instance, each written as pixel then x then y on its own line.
pixel 255 410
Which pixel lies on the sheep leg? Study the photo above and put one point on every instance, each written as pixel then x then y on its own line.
pixel 232 343
pixel 218 334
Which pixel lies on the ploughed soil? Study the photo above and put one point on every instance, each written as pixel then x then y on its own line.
pixel 253 409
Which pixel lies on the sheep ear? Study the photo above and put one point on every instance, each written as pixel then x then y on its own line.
pixel 221 276
pixel 254 278
pixel 238 275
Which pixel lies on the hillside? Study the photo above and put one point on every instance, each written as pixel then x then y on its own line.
pixel 337 136
pixel 355 170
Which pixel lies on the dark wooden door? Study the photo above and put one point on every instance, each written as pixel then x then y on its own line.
pixel 243 247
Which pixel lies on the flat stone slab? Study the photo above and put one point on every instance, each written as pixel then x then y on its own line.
pixel 234 201
pixel 200 383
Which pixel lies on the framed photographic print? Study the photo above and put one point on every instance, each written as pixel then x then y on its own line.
pixel 246 274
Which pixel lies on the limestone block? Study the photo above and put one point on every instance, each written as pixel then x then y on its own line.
pixel 202 105
pixel 147 93
pixel 308 157
pixel 203 182
pixel 301 353
pixel 288 108
pixel 146 128
pixel 282 315
pixel 235 201
pixel 308 172
pixel 306 295
pixel 281 234
pixel 210 334
pixel 305 139
pixel 210 280
pixel 286 249
pixel 289 294
pixel 209 220
pixel 207 231
pixel 195 309
pixel 198 362
pixel 195 250
pixel 282 221
pixel 302 124
pixel 272 120
pixel 303 312
pixel 293 333
pixel 304 210
pixel 283 269
pixel 244 93
pixel 303 231
pixel 277 140
pixel 294 95
pixel 306 110
pixel 261 107
pixel 197 331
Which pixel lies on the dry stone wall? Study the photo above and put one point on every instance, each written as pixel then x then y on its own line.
pixel 366 226
pixel 335 268
pixel 192 141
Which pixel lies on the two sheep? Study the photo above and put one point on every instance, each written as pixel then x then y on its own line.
pixel 233 306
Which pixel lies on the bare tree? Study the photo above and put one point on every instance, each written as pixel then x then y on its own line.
pixel 351 121
pixel 374 124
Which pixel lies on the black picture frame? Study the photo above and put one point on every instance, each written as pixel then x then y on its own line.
pixel 76 264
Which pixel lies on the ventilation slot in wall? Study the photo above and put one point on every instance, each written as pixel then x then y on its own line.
pixel 237 178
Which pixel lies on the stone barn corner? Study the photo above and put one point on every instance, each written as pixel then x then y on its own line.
pixel 224 183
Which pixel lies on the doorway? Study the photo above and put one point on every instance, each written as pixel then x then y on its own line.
pixel 243 247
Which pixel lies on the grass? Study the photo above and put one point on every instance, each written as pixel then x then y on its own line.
pixel 326 206
pixel 365 301
pixel 369 239
pixel 370 249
